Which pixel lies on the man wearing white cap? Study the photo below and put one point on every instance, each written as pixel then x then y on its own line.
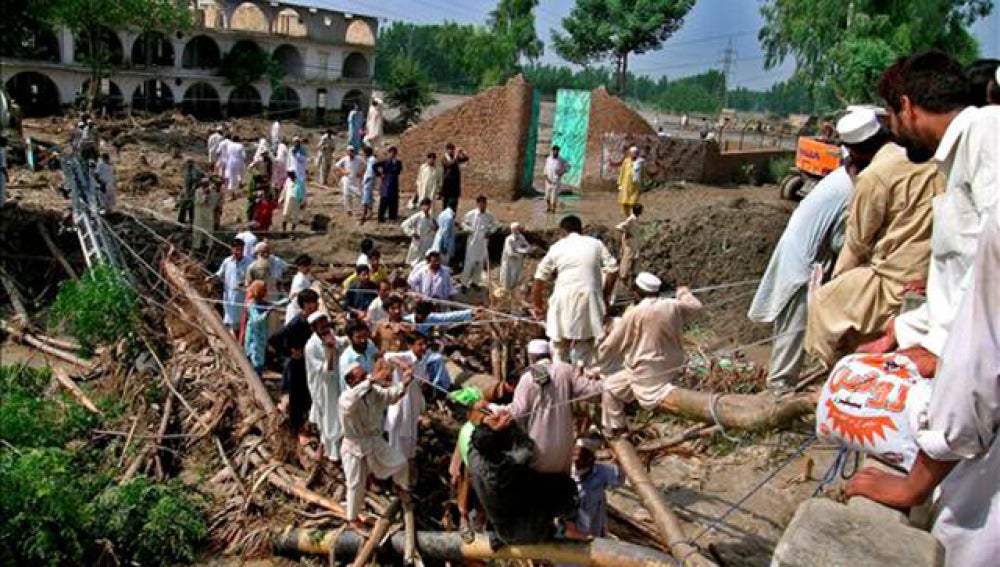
pixel 214 139
pixel 512 262
pixel 648 342
pixel 542 407
pixel 811 237
pixel 576 309
pixel 266 268
pixel 362 413
pixel 886 245
pixel 322 353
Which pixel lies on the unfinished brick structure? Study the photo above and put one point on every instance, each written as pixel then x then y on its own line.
pixel 608 115
pixel 492 127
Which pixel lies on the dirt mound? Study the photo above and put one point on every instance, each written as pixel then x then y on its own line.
pixel 608 115
pixel 719 244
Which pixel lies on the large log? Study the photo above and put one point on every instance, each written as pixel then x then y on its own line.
pixel 378 532
pixel 448 546
pixel 760 412
pixel 667 524
pixel 214 324
pixel 56 252
pixel 70 385
pixel 36 343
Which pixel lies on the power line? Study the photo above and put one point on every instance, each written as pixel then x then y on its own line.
pixel 727 63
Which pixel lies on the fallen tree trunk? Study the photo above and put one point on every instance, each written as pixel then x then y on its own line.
pixel 215 326
pixel 306 495
pixel 70 385
pixel 36 343
pixel 760 412
pixel 448 546
pixel 667 524
pixel 56 252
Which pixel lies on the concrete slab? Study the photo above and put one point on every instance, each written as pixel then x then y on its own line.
pixel 826 533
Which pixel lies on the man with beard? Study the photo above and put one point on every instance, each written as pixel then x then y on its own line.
pixel 927 96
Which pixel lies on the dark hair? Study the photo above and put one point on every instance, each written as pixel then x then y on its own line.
pixel 392 301
pixel 423 308
pixel 556 148
pixel 425 201
pixel 980 74
pixel 362 268
pixel 291 175
pixel 412 338
pixel 368 151
pixel 571 223
pixel 931 80
pixel 367 245
pixel 355 326
pixel 432 155
pixel 386 282
pixel 871 145
pixel 374 253
pixel 307 296
pixel 481 199
pixel 432 253
pixel 637 209
pixel 238 242
pixel 449 146
pixel 451 203
pixel 304 260
pixel 391 149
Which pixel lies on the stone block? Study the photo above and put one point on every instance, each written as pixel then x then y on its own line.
pixel 826 533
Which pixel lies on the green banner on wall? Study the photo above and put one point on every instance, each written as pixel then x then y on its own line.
pixel 569 131
pixel 531 145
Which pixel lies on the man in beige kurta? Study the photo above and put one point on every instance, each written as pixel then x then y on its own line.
pixel 542 407
pixel 631 241
pixel 648 343
pixel 887 247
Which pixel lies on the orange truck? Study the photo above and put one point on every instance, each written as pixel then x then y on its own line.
pixel 815 158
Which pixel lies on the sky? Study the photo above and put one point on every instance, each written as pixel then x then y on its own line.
pixel 697 46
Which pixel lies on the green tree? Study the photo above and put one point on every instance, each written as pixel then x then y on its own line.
pixel 90 17
pixel 515 21
pixel 598 30
pixel 408 90
pixel 248 62
pixel 845 45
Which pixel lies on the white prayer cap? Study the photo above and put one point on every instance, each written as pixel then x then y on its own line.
pixel 634 149
pixel 514 226
pixel 878 110
pixel 352 366
pixel 431 251
pixel 648 282
pixel 858 126
pixel 539 346
pixel 260 246
pixel 317 316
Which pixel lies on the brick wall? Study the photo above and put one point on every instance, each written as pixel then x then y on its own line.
pixel 492 128
pixel 608 115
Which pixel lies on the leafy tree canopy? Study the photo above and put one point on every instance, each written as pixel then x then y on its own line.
pixel 408 90
pixel 597 30
pixel 847 44
pixel 515 21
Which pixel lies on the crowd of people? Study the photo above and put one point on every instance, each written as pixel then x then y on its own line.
pixel 893 252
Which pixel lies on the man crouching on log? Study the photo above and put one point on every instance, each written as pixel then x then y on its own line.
pixel 648 343
pixel 522 505
pixel 364 450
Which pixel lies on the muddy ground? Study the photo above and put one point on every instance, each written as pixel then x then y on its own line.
pixel 695 235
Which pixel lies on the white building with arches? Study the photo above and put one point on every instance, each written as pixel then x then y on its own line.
pixel 326 57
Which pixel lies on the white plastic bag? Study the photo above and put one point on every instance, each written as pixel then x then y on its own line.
pixel 871 402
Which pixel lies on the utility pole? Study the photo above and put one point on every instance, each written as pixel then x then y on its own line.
pixel 728 62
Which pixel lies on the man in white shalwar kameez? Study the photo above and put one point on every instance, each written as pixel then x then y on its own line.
pixel 512 262
pixel 542 407
pixel 555 168
pixel 420 227
pixel 232 273
pixel 352 169
pixel 480 225
pixel 428 179
pixel 322 354
pixel 781 295
pixel 574 319
pixel 235 163
pixel 214 139
pixel 648 340
pixel 300 282
pixel 362 414
pixel 373 124
pixel 959 434
pixel 403 418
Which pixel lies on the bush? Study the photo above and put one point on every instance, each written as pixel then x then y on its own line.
pixel 43 503
pixel 100 308
pixel 150 523
pixel 28 420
